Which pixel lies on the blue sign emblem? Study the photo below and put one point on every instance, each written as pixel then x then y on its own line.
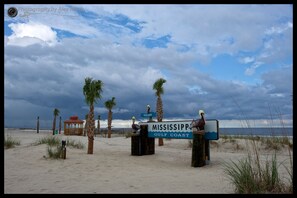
pixel 147 115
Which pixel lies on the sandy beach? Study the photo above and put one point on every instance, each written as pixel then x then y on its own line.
pixel 111 169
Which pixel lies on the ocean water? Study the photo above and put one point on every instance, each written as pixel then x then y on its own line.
pixel 257 131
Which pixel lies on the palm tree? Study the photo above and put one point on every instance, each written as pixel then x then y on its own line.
pixel 158 86
pixel 56 113
pixel 109 104
pixel 92 91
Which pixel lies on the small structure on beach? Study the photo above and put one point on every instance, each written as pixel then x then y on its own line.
pixel 73 126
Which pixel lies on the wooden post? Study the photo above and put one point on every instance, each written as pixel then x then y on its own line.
pixel 207 152
pixel 98 125
pixel 38 124
pixel 135 144
pixel 60 125
pixel 148 144
pixel 198 149
pixel 63 149
pixel 141 144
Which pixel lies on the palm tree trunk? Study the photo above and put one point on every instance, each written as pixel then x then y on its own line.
pixel 109 123
pixel 86 125
pixel 54 125
pixel 91 129
pixel 160 116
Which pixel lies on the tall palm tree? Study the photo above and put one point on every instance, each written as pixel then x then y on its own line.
pixel 158 86
pixel 109 104
pixel 92 91
pixel 56 113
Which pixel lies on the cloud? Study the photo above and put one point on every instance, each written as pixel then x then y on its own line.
pixel 251 70
pixel 246 60
pixel 46 69
pixel 25 34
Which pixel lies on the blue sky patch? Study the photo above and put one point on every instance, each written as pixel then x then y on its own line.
pixel 160 42
pixel 7 29
pixel 66 34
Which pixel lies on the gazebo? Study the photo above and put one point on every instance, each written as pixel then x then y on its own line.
pixel 73 126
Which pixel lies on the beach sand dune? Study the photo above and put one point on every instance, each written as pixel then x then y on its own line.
pixel 111 169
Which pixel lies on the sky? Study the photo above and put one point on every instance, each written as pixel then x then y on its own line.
pixel 235 62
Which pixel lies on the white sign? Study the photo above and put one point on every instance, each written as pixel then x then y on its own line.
pixel 181 129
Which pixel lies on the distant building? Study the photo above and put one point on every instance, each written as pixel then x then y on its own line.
pixel 73 126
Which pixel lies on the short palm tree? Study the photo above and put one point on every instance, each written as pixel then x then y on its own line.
pixel 56 113
pixel 92 91
pixel 158 87
pixel 109 104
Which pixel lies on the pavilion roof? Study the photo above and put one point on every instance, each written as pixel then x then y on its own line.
pixel 74 120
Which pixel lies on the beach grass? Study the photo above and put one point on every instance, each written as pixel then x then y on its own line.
pixel 10 142
pixel 54 152
pixel 74 144
pixel 54 146
pixel 269 142
pixel 251 175
pixel 49 140
pixel 56 141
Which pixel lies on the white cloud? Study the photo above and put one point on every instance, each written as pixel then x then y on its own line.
pixel 251 70
pixel 246 60
pixel 25 34
pixel 278 29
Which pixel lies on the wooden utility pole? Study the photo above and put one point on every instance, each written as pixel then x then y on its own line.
pixel 98 125
pixel 38 124
pixel 60 125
